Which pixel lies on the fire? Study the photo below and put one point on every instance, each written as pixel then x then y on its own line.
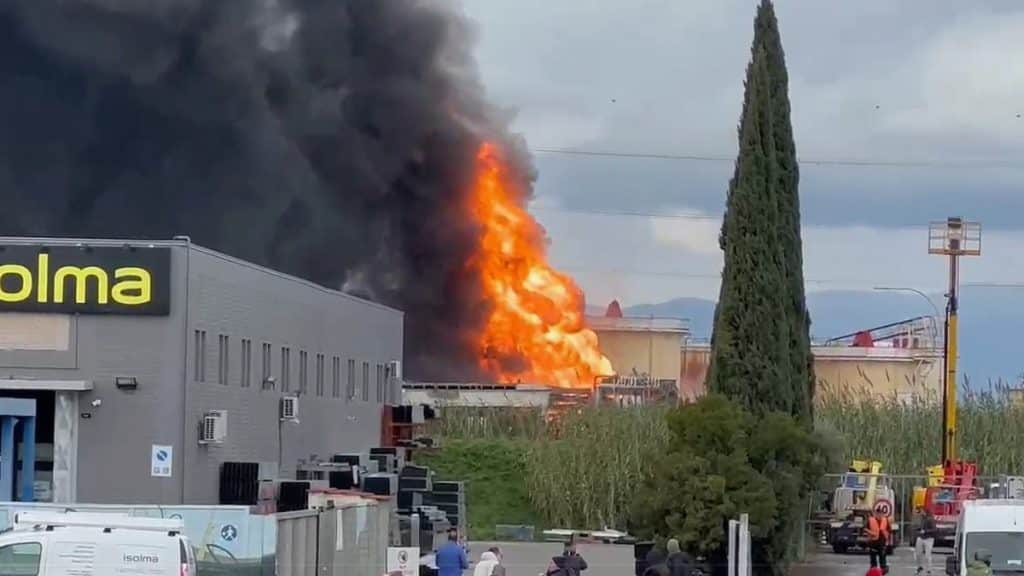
pixel 535 332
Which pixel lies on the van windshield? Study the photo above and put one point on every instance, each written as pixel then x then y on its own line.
pixel 1006 548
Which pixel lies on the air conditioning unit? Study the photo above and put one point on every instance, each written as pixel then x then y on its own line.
pixel 289 408
pixel 214 427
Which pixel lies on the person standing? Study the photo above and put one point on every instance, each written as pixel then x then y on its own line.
pixel 570 563
pixel 925 543
pixel 451 557
pixel 656 564
pixel 488 562
pixel 499 568
pixel 878 531
pixel 679 562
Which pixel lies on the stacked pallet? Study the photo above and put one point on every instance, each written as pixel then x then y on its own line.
pixel 450 498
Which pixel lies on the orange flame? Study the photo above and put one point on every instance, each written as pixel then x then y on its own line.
pixel 535 332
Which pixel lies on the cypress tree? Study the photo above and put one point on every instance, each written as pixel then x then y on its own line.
pixel 768 39
pixel 738 366
pixel 750 343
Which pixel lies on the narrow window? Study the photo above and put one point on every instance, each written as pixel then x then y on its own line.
pixel 246 363
pixel 350 391
pixel 268 384
pixel 336 377
pixel 200 362
pixel 286 369
pixel 319 374
pixel 366 381
pixel 303 368
pixel 222 359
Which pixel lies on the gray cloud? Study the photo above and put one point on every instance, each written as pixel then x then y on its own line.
pixel 915 80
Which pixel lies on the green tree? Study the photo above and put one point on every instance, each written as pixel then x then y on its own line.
pixel 722 461
pixel 761 344
pixel 787 175
pixel 750 343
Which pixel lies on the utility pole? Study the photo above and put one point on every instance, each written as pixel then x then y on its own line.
pixel 953 238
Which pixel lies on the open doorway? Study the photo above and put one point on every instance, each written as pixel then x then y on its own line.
pixel 35 444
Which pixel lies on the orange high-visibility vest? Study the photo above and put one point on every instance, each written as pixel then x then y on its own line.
pixel 878 530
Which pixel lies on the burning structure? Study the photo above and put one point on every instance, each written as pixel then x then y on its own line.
pixel 346 142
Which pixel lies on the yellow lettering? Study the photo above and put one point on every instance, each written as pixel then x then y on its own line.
pixel 26 283
pixel 81 275
pixel 43 272
pixel 133 287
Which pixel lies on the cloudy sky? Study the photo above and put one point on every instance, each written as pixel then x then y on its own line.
pixel 923 100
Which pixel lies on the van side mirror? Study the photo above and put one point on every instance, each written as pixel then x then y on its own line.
pixel 952 565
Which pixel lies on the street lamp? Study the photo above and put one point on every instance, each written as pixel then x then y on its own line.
pixel 935 308
pixel 955 237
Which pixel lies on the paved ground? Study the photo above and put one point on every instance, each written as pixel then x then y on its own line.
pixel 856 564
pixel 531 559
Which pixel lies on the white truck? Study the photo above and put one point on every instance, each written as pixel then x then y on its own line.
pixel 73 544
pixel 992 526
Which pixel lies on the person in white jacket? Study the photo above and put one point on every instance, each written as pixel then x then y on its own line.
pixel 487 564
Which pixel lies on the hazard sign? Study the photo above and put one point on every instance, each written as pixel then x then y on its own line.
pixel 883 507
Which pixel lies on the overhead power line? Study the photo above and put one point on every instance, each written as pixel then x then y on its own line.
pixel 850 162
pixel 659 215
pixel 851 281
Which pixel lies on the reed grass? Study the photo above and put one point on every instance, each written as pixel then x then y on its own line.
pixel 582 470
pixel 906 434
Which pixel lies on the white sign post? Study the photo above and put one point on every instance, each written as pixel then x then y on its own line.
pixel 405 561
pixel 734 528
pixel 161 461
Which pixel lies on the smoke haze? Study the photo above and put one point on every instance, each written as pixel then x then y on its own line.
pixel 331 139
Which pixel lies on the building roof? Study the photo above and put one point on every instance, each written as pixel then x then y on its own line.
pixel 180 242
pixel 637 324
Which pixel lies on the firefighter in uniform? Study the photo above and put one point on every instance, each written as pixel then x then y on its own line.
pixel 879 529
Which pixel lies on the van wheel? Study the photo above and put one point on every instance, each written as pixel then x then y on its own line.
pixel 839 548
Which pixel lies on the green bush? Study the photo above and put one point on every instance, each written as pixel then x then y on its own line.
pixel 722 461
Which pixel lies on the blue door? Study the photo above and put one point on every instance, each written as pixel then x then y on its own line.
pixel 17 427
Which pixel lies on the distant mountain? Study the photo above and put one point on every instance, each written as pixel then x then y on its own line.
pixel 991 322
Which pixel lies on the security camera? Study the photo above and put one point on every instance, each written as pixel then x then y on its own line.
pixel 96 403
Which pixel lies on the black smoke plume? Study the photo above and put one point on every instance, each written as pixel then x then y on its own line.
pixel 331 139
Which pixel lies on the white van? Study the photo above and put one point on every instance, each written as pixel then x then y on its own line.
pixel 996 526
pixel 72 544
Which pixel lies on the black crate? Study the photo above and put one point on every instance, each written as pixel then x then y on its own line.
pixel 415 471
pixel 449 487
pixel 293 496
pixel 345 480
pixel 350 459
pixel 381 484
pixel 450 509
pixel 409 500
pixel 385 462
pixel 439 498
pixel 414 484
pixel 239 483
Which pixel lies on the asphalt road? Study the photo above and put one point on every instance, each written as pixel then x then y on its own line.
pixel 856 564
pixel 531 559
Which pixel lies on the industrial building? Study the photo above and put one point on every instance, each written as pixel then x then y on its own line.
pixel 130 371
pixel 899 361
pixel 641 347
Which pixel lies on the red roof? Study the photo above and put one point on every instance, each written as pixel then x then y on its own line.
pixel 614 310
